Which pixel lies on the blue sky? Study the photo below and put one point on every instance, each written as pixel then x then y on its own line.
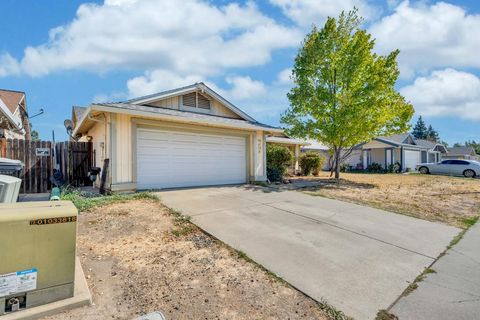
pixel 64 53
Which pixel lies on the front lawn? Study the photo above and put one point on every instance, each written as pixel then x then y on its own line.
pixel 452 200
pixel 139 256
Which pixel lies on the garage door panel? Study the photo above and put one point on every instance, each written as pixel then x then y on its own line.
pixel 412 158
pixel 169 159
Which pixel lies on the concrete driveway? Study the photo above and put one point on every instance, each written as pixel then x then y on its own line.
pixel 358 259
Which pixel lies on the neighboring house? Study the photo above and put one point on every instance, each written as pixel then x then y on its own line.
pixel 14 121
pixel 295 146
pixel 464 152
pixel 185 137
pixel 352 160
pixel 401 148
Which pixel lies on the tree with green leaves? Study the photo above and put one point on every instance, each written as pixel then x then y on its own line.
pixel 432 134
pixel 344 94
pixel 420 130
pixel 474 144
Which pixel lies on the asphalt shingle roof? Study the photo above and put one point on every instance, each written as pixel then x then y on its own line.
pixel 461 150
pixel 11 98
pixel 425 143
pixel 399 138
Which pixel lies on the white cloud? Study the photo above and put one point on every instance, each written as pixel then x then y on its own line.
pixel 112 97
pixel 429 36
pixel 308 12
pixel 284 77
pixel 244 88
pixel 446 92
pixel 159 80
pixel 8 65
pixel 241 87
pixel 196 37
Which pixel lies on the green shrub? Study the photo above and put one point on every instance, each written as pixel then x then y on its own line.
pixel 344 167
pixel 311 162
pixel 278 160
pixel 375 167
pixel 394 168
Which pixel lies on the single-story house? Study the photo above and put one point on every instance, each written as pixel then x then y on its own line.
pixel 353 159
pixel 401 148
pixel 14 123
pixel 190 136
pixel 464 152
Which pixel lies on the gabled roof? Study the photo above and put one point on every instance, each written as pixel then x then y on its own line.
pixel 13 121
pixel 431 145
pixel 397 138
pixel 463 150
pixel 78 113
pixel 11 98
pixel 171 115
pixel 187 89
pixel 426 143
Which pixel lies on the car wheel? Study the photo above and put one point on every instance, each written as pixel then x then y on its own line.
pixel 469 173
pixel 423 170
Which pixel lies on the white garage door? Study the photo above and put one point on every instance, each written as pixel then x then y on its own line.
pixel 171 159
pixel 412 158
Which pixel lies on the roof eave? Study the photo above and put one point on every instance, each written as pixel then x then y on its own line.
pixel 173 118
pixel 14 120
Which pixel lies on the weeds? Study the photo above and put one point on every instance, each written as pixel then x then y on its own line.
pixel 414 285
pixel 385 315
pixel 84 200
pixel 331 312
pixel 183 224
pixel 469 222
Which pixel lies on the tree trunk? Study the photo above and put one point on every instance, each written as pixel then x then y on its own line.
pixel 337 164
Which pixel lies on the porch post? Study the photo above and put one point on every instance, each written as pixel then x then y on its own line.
pixel 402 159
pixel 365 159
pixel 297 156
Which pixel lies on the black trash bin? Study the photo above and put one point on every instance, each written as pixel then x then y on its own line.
pixel 11 167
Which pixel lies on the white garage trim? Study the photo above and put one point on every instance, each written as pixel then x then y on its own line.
pixel 171 157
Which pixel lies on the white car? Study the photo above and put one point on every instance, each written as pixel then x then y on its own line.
pixel 467 168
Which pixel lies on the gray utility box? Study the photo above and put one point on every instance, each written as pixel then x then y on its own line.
pixel 37 253
pixel 10 167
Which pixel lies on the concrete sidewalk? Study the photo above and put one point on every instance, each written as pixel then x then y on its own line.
pixel 453 292
pixel 359 259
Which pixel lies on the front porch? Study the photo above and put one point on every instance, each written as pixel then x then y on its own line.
pixel 294 145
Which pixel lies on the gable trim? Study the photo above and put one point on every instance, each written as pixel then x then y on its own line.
pixel 191 88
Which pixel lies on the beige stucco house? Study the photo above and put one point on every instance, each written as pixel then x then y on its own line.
pixel 185 137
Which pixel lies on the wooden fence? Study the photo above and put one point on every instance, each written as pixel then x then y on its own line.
pixel 73 159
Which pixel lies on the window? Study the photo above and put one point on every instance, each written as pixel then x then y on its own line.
pixel 195 100
pixel 461 162
pixel 447 161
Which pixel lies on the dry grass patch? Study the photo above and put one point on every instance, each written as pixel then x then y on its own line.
pixel 452 200
pixel 140 257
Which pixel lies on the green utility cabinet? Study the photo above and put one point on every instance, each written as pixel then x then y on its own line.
pixel 37 253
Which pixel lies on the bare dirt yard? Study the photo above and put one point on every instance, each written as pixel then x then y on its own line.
pixel 452 200
pixel 139 257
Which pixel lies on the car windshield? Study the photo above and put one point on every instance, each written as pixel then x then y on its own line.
pixel 475 162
